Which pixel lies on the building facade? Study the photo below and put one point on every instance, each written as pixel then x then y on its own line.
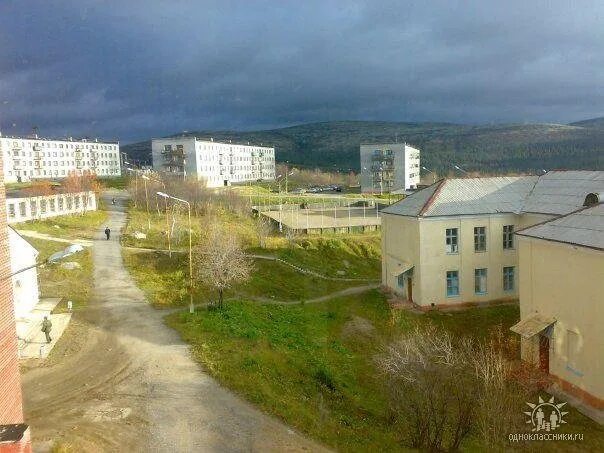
pixel 218 164
pixel 39 158
pixel 561 280
pixel 453 243
pixel 13 433
pixel 25 284
pixel 22 207
pixel 389 167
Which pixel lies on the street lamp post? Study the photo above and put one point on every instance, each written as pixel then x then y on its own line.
pixel 433 174
pixel 135 184
pixel 458 168
pixel 145 179
pixel 180 200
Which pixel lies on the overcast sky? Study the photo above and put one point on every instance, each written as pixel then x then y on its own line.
pixel 133 69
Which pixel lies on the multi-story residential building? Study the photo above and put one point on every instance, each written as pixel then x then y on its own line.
pixel 218 164
pixel 561 279
pixel 389 167
pixel 453 242
pixel 27 158
pixel 14 434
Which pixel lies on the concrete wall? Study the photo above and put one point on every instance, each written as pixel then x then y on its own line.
pixel 566 282
pixel 25 284
pixel 435 261
pixel 21 209
pixel 400 241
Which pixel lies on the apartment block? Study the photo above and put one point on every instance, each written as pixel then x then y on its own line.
pixel 389 167
pixel 218 164
pixel 22 206
pixel 27 158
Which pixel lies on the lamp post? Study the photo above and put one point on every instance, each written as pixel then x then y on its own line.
pixel 135 184
pixel 145 179
pixel 458 168
pixel 57 256
pixel 180 200
pixel 433 174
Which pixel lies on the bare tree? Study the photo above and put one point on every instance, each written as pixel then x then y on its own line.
pixel 264 228
pixel 221 262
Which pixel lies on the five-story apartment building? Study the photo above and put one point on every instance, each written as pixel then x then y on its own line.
pixel 40 158
pixel 218 164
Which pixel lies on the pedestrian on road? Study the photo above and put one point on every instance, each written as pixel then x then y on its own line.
pixel 107 232
pixel 46 328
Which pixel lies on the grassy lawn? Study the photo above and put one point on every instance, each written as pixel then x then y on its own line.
pixel 163 279
pixel 80 226
pixel 313 365
pixel 75 285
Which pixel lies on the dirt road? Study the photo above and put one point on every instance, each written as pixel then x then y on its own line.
pixel 120 380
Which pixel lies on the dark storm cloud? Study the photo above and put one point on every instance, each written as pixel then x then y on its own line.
pixel 132 69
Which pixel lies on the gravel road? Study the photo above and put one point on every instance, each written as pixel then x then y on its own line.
pixel 121 380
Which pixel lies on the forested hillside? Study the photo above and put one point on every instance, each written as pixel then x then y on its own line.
pixel 488 149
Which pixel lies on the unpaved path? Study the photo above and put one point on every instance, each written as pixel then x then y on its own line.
pixel 120 380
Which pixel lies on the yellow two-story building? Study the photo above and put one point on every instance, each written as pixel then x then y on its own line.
pixel 453 242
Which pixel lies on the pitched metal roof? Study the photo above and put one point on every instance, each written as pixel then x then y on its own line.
pixel 562 192
pixel 467 196
pixel 584 227
pixel 556 192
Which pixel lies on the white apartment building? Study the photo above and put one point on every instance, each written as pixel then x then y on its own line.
pixel 388 167
pixel 218 164
pixel 40 158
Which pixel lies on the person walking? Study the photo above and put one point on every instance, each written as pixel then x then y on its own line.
pixel 46 328
pixel 107 232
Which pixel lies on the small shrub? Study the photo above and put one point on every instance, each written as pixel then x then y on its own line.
pixel 324 377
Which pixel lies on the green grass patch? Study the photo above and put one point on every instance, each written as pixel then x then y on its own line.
pixel 120 182
pixel 75 226
pixel 164 280
pixel 75 285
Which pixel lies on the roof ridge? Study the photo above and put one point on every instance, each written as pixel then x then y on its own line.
pixel 430 200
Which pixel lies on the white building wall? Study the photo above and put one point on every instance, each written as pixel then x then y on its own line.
pixel 37 158
pixel 219 164
pixel 25 284
pixel 24 209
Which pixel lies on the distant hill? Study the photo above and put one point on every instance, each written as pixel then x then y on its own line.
pixel 490 149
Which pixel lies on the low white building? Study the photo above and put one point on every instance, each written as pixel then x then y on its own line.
pixel 388 167
pixel 25 284
pixel 22 207
pixel 27 158
pixel 218 164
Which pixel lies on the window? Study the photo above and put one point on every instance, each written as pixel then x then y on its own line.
pixel 43 206
pixel 508 278
pixel 480 281
pixel 33 206
pixel 508 237
pixel 452 283
pixel 480 239
pixel 11 210
pixel 51 203
pixel 60 203
pixel 451 240
pixel 22 209
pixel 69 203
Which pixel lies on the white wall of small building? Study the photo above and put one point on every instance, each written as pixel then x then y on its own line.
pixel 37 158
pixel 24 209
pixel 25 284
